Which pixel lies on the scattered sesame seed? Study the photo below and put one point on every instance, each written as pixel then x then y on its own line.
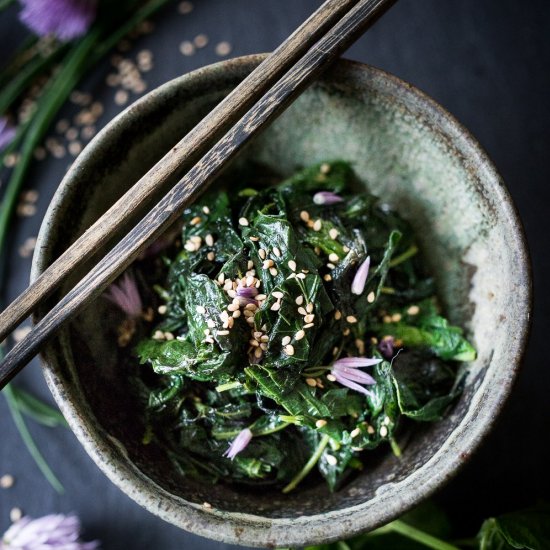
pixel 158 335
pixel 187 48
pixel 311 382
pixel 413 310
pixel 309 318
pixel 360 345
pixel 262 253
pixel 324 168
pixel 304 216
pixel 309 307
pixel 211 256
pixel 331 459
pixel 168 336
pixel 346 249
pixel 162 309
pixel 346 331
pixel 289 349
pixel 383 431
pixel 223 332
pixel 276 251
pixel 250 264
pixel 273 271
pixel 276 306
pixel 210 323
pixel 251 307
pixel 396 317
pixel 243 221
pixel 302 311
pixel 387 421
pixel 223 48
pixel 331 377
pixel 236 313
pixel 206 331
pixel 278 294
pixel 286 340
pixel 317 225
pixel 258 352
pixel 292 265
pixel 15 514
pixel 337 314
pixel 327 277
pixel 201 40
pixel 232 307
pixel 185 8
pixel 301 276
pixel 351 319
pixel 371 296
pixel 204 504
pixel 386 319
pixel 308 325
pixel 6 481
pixel 355 433
pixel 331 266
pixel 370 430
pixel 333 233
pixel 264 338
pixel 300 300
pixel 299 335
pixel 221 277
pixel 206 210
pixel 201 309
pixel 261 297
pixel 321 423
pixel 196 220
pixel 121 97
pixel 254 239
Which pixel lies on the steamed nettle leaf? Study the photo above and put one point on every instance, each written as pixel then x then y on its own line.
pixel 263 365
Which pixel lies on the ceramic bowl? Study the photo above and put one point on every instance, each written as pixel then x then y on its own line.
pixel 412 153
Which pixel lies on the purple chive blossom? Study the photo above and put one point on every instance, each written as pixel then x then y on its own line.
pixel 326 197
pixel 7 132
pixel 360 279
pixel 247 294
pixel 238 444
pixel 53 532
pixel 65 19
pixel 346 372
pixel 125 295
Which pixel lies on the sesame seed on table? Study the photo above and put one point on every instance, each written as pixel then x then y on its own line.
pixel 469 64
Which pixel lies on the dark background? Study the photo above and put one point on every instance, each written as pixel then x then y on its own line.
pixel 488 63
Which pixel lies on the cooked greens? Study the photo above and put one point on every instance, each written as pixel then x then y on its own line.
pixel 276 350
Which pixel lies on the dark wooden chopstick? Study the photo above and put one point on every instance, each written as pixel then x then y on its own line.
pixel 271 104
pixel 172 165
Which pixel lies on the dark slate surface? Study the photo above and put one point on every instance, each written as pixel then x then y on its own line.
pixel 487 62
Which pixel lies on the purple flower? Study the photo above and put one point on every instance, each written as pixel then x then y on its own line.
pixel 238 444
pixel 360 279
pixel 65 19
pixel 53 532
pixel 346 372
pixel 326 197
pixel 7 132
pixel 246 295
pixel 125 295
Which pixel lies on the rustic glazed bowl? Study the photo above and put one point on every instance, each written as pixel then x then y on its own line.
pixel 410 152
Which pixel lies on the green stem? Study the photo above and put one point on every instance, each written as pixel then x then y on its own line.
pixel 409 253
pixel 228 386
pixel 415 534
pixel 28 441
pixel 37 410
pixel 309 466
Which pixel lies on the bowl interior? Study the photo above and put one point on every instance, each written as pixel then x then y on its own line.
pixel 407 151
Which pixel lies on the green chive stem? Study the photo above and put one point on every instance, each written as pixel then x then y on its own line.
pixel 309 465
pixel 409 253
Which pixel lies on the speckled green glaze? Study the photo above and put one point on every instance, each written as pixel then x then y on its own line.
pixel 409 151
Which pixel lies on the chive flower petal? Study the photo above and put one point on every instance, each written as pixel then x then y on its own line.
pixel 7 132
pixel 239 444
pixel 355 362
pixel 346 372
pixel 125 295
pixel 65 19
pixel 360 279
pixel 342 379
pixel 326 198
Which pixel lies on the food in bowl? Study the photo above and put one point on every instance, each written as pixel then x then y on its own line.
pixel 295 329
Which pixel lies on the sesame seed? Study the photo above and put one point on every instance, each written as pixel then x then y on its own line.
pixel 224 316
pixel 286 340
pixel 261 297
pixel 249 313
pixel 258 283
pixel 262 253
pixel 276 251
pixel 371 296
pixel 278 294
pixel 201 309
pixel 211 256
pixel 254 343
pixel 162 309
pixel 327 277
pixel 250 280
pixel 258 352
pixel 386 319
pixel 355 433
pixel 308 325
pixel 236 313
pixel 292 265
pixel 370 430
pixel 223 48
pixel 304 216
pixel 15 514
pixel 387 421
pixel 321 422
pixel 210 323
pixel 413 310
pixel 187 48
pixel 243 221
pixel 233 307
pixel 331 266
pixel 302 311
pixel 309 307
pixel 289 349
pixel 331 377
pixel 6 481
pixel 317 225
pixel 292 276
pixel 331 459
pixel 396 317
pixel 196 220
pixel 184 8
pixel 333 233
pixel 221 277
pixel 360 345
pixel 264 338
pixel 333 257
pixel 204 504
pixel 383 431
pixel 309 318
pixel 231 293
pixel 209 240
pixel 158 335
pixel 206 331
pixel 254 239
pixel 257 334
pixel 299 301
pixel 273 271
pixel 268 263
pixel 301 276
pixel 346 331
pixel 311 382
pixel 351 319
pixel 299 335
pixel 337 314
pixel 201 40
pixel 206 210
pixel 251 307
pixel 169 336
pixel 324 168
pixel 250 265
pixel 276 306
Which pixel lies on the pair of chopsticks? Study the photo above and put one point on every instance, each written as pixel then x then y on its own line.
pixel 255 103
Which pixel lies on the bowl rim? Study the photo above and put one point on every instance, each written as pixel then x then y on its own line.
pixel 396 498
